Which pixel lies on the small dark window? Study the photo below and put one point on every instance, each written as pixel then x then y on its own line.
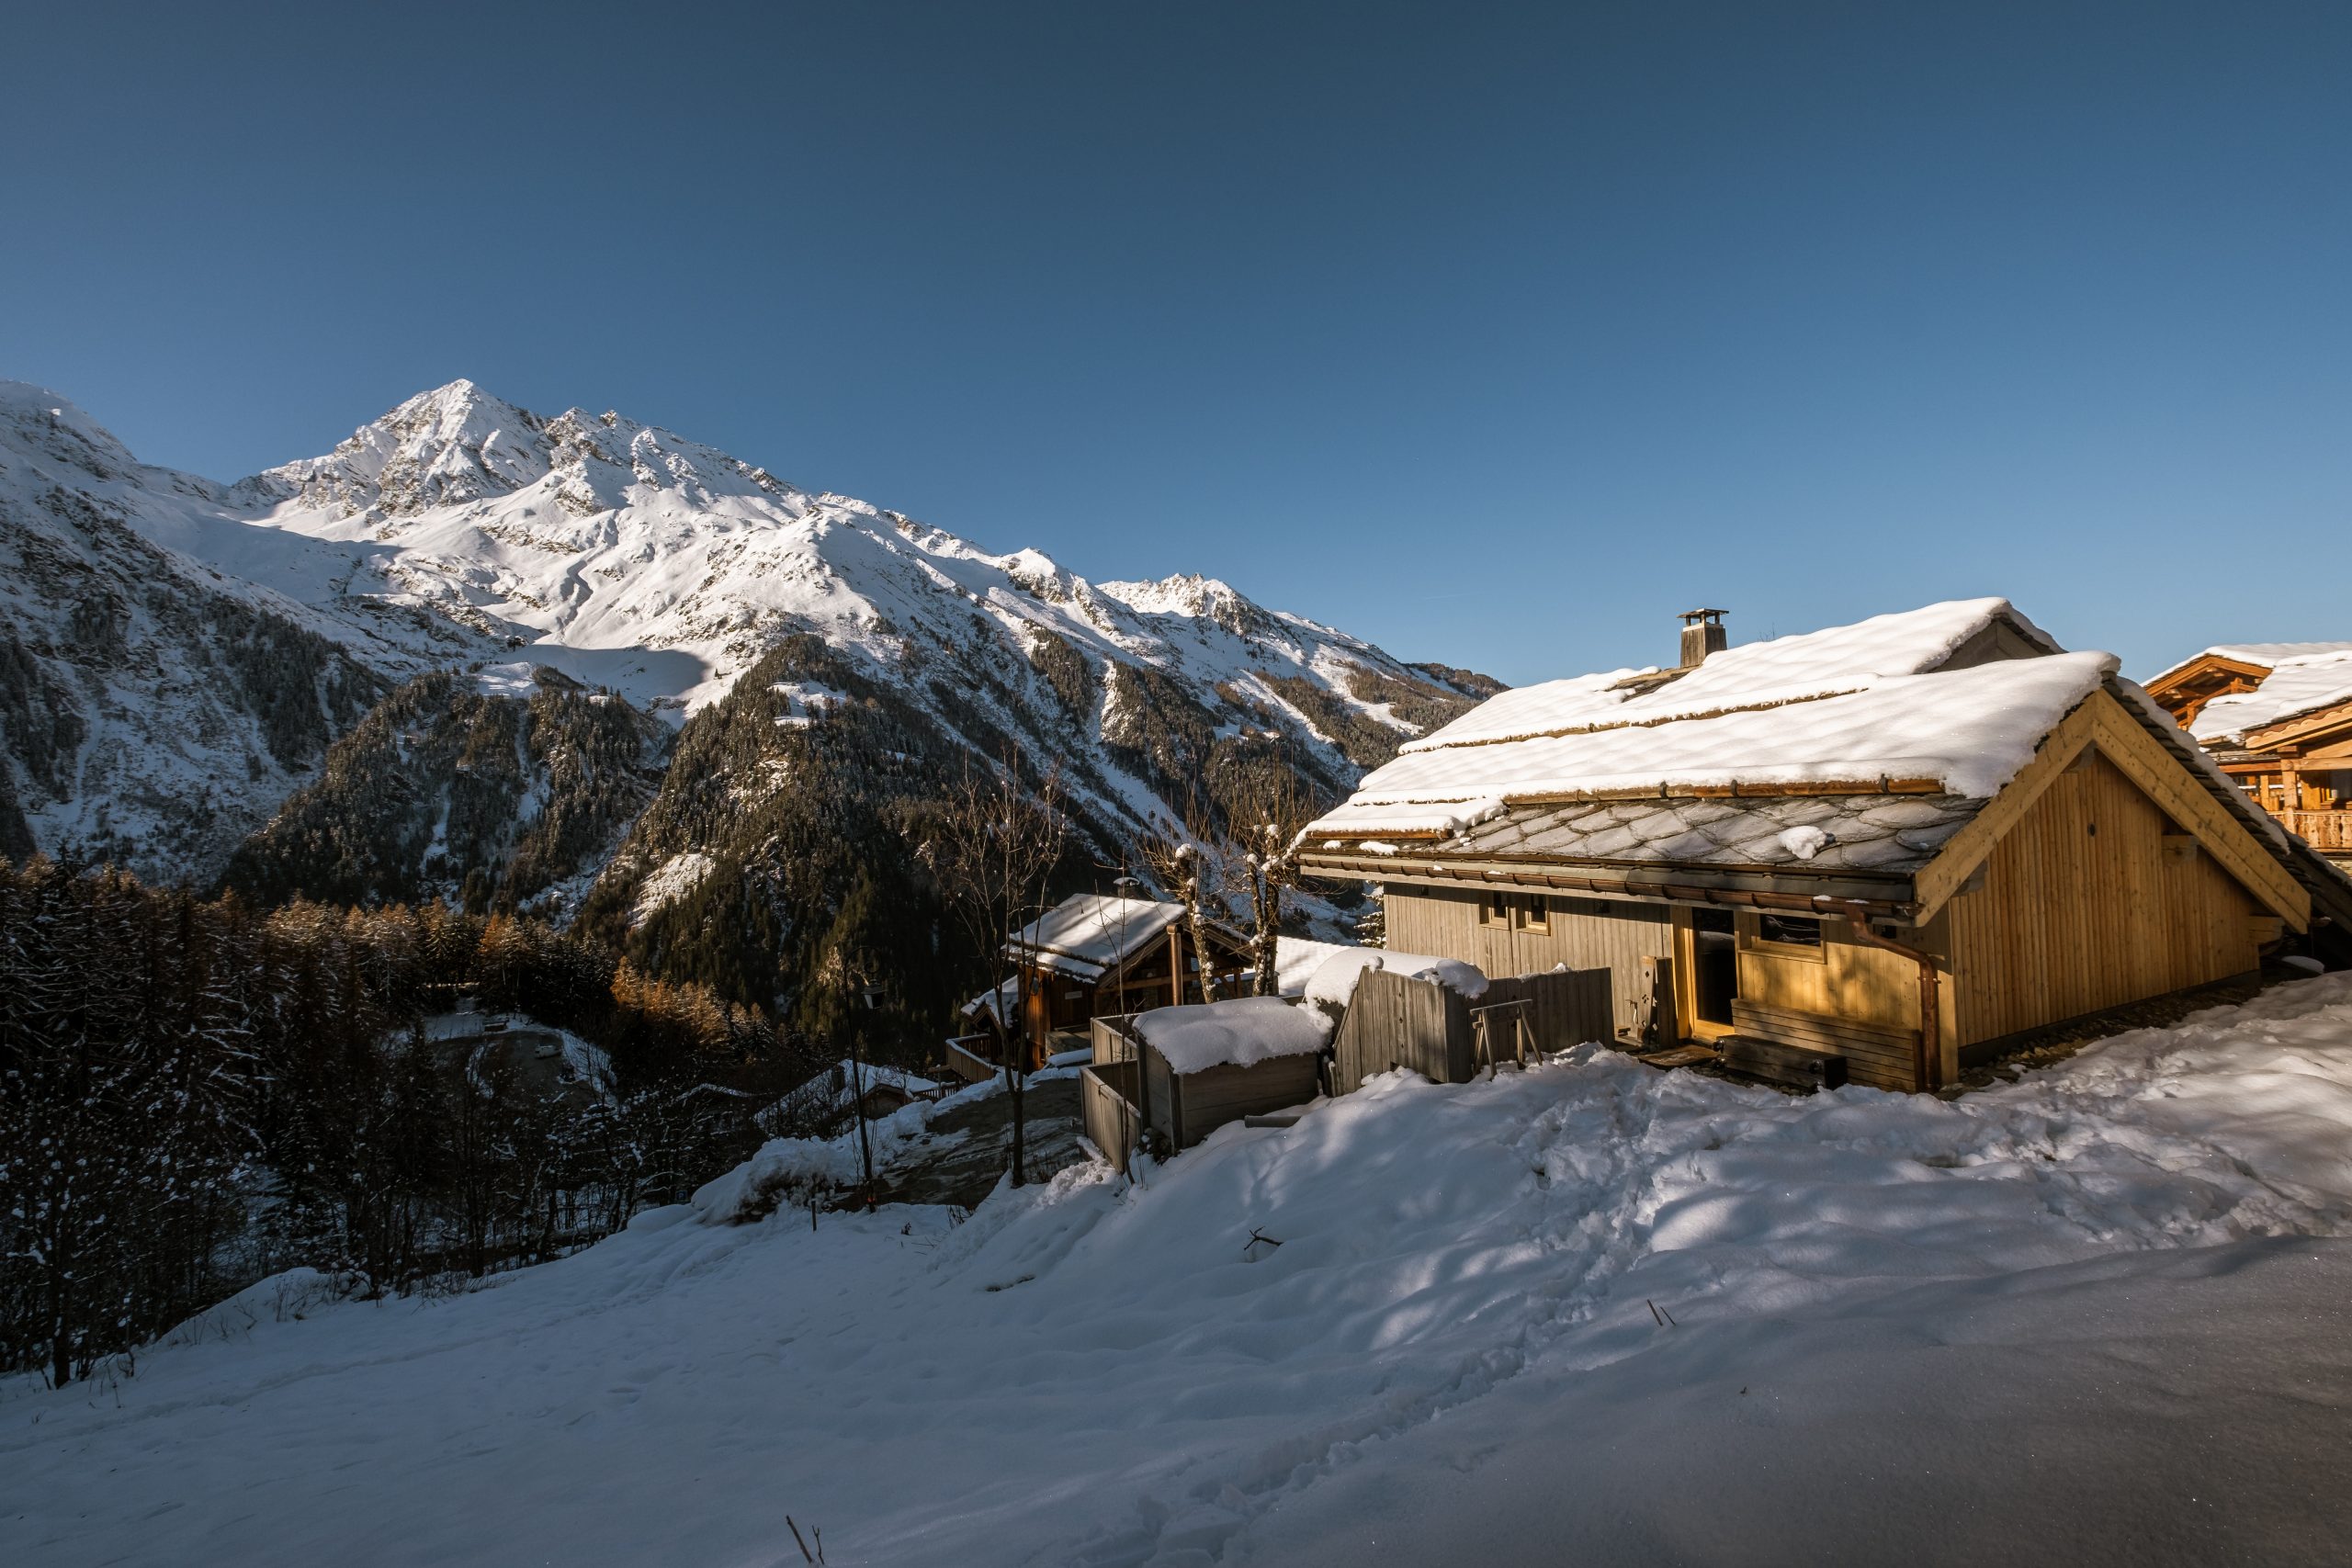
pixel 1537 916
pixel 1495 912
pixel 1790 930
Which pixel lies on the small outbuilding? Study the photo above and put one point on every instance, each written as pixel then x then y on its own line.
pixel 1091 956
pixel 1182 1072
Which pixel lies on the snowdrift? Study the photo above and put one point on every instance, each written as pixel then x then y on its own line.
pixel 1587 1311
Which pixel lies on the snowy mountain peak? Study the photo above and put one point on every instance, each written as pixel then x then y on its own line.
pixel 457 443
pixel 1198 598
pixel 451 445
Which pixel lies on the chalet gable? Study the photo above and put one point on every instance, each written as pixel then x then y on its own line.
pixel 2225 694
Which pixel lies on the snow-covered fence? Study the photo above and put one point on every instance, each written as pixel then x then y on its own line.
pixel 1399 1021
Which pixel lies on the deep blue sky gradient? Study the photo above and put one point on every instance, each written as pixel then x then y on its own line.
pixel 1494 333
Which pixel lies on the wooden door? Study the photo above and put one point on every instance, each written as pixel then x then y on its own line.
pixel 1706 972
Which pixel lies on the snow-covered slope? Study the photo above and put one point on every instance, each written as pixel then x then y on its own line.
pixel 154 706
pixel 460 528
pixel 1590 1312
pixel 631 556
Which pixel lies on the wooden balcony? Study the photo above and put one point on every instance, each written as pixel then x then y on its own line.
pixel 2327 831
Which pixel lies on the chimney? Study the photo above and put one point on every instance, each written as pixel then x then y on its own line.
pixel 1702 634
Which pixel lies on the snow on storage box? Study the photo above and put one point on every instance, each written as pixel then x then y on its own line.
pixel 1198 1068
pixel 1239 1033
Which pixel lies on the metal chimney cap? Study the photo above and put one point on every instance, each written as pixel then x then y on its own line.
pixel 1696 617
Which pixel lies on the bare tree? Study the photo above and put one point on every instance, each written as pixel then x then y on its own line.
pixel 1183 862
pixel 1263 860
pixel 992 847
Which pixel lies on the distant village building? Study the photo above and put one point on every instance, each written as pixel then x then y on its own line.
pixel 1096 957
pixel 1092 954
pixel 1896 847
pixel 2277 716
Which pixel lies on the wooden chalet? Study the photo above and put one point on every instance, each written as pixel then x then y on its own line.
pixel 1875 852
pixel 2278 719
pixel 1089 955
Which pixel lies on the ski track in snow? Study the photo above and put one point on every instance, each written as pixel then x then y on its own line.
pixel 1089 1373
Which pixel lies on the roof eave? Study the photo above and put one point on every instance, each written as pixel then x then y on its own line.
pixel 1671 882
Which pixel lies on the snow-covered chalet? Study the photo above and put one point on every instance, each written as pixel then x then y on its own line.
pixel 2277 716
pixel 1909 844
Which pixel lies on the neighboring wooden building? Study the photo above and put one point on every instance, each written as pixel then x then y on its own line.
pixel 1905 842
pixel 1092 956
pixel 2278 719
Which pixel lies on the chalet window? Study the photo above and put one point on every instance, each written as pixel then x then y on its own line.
pixel 1535 915
pixel 1789 930
pixel 1495 912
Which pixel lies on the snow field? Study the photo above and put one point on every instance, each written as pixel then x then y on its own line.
pixel 2056 1305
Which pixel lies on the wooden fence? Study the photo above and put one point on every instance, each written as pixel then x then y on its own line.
pixel 1393 1022
pixel 1107 1111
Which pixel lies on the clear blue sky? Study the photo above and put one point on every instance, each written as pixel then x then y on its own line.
pixel 1494 333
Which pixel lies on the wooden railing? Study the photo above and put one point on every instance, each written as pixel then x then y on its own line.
pixel 2319 829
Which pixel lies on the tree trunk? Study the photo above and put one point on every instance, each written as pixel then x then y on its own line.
pixel 1265 901
pixel 1016 1068
pixel 1198 924
pixel 1013 1085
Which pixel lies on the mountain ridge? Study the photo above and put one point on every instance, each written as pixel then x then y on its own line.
pixel 461 532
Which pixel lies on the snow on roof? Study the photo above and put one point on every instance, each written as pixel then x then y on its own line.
pixel 2295 685
pixel 998 1001
pixel 1239 1033
pixel 1297 959
pixel 2264 653
pixel 1087 933
pixel 1968 730
pixel 1335 981
pixel 1756 674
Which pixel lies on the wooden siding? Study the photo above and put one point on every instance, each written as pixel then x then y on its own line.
pixel 1586 934
pixel 2092 900
pixel 1562 1009
pixel 1842 978
pixel 1106 1109
pixel 1205 1100
pixel 1882 1058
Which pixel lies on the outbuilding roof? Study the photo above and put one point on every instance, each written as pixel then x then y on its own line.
pixel 1087 934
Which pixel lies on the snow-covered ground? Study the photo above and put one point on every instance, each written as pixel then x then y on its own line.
pixel 1587 1313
